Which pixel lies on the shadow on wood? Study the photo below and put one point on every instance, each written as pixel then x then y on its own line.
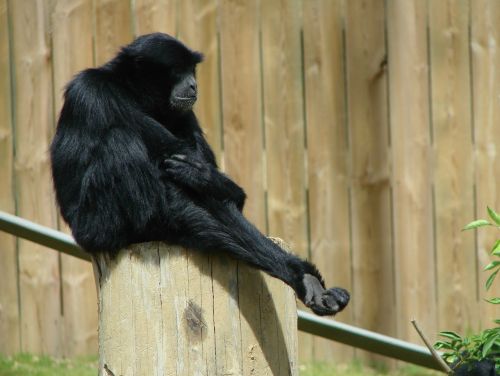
pixel 167 311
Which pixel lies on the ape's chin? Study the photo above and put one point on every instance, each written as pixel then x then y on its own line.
pixel 182 104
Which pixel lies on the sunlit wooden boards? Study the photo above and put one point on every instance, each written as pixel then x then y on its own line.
pixel 163 310
pixel 9 304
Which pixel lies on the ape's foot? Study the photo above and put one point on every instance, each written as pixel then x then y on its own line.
pixel 321 301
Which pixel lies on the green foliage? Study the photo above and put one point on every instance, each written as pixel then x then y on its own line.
pixel 476 224
pixel 494 216
pixel 460 350
pixel 493 266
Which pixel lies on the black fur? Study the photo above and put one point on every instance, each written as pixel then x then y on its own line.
pixel 485 367
pixel 130 164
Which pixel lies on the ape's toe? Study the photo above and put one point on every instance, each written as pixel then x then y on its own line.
pixel 323 302
pixel 329 302
pixel 336 297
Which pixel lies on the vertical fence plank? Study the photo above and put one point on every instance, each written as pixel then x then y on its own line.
pixel 370 186
pixel 411 157
pixel 9 305
pixel 154 15
pixel 113 28
pixel 201 34
pixel 284 129
pixel 327 153
pixel 72 52
pixel 241 102
pixel 453 164
pixel 33 111
pixel 284 122
pixel 486 100
pixel 242 139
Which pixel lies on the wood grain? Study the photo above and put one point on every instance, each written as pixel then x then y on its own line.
pixel 411 167
pixel 154 320
pixel 327 154
pixel 9 304
pixel 243 148
pixel 39 280
pixel 485 61
pixel 201 34
pixel 241 102
pixel 284 123
pixel 150 16
pixel 284 130
pixel 371 230
pixel 72 52
pixel 453 166
pixel 113 28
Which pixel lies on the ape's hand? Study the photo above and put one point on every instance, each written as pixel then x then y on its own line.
pixel 188 171
pixel 323 301
pixel 202 177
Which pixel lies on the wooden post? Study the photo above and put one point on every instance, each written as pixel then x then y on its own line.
pixel 162 311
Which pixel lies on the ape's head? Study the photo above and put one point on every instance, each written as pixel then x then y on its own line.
pixel 167 67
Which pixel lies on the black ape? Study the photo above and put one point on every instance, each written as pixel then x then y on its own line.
pixel 130 164
pixel 485 367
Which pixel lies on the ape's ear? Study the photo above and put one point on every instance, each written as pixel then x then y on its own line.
pixel 198 57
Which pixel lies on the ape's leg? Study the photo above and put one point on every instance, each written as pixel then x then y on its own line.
pixel 221 226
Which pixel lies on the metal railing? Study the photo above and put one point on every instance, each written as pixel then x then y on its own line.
pixel 307 322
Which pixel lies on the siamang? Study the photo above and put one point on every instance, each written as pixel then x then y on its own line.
pixel 130 164
pixel 485 367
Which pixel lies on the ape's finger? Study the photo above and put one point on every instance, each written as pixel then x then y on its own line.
pixel 179 157
pixel 171 163
pixel 184 159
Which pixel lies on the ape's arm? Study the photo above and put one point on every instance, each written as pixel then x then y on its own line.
pixel 217 225
pixel 160 142
pixel 197 170
pixel 203 178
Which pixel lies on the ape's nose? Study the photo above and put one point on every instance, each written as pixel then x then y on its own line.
pixel 193 87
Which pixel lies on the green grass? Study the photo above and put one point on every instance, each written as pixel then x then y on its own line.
pixel 357 369
pixel 30 365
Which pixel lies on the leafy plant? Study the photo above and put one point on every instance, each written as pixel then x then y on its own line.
pixel 468 350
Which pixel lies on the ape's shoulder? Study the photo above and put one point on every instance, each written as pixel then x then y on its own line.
pixel 94 95
pixel 92 80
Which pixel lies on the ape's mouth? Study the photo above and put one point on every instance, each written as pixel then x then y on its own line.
pixel 191 98
pixel 183 103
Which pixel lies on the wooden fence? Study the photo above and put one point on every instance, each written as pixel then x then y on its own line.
pixel 363 132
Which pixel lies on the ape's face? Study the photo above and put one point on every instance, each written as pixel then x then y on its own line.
pixel 184 92
pixel 167 67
